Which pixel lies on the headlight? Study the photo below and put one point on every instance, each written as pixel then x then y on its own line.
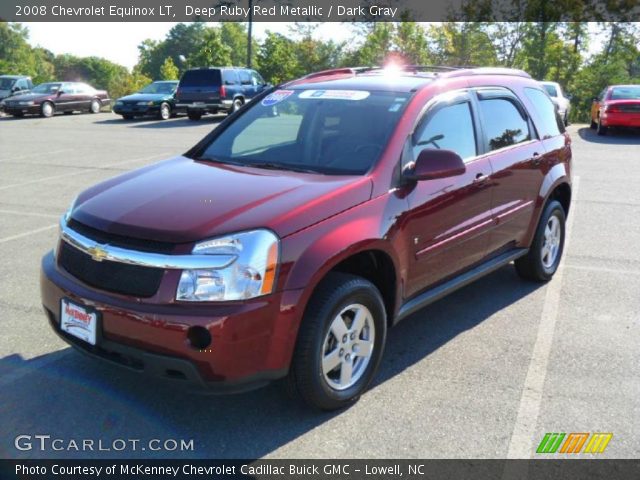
pixel 25 103
pixel 251 274
pixel 145 103
pixel 66 216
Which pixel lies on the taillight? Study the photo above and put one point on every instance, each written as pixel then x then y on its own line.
pixel 223 91
pixel 611 109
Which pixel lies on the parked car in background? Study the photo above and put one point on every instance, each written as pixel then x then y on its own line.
pixel 616 106
pixel 217 89
pixel 157 99
pixel 560 99
pixel 47 99
pixel 288 240
pixel 11 85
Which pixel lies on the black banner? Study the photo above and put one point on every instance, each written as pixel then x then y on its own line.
pixel 583 469
pixel 317 10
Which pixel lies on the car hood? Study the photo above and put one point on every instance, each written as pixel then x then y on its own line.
pixel 145 97
pixel 182 200
pixel 30 97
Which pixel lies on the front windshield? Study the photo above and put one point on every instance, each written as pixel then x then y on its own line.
pixel 47 88
pixel 159 87
pixel 6 83
pixel 324 131
pixel 551 90
pixel 626 93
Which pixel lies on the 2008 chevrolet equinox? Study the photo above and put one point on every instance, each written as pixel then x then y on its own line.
pixel 288 241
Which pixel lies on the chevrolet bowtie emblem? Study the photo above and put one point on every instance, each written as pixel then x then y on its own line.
pixel 97 253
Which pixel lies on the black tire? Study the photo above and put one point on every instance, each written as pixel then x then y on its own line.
pixel 128 117
pixel 593 125
pixel 95 106
pixel 600 129
pixel 306 379
pixel 237 105
pixel 18 115
pixel 531 266
pixel 565 120
pixel 165 111
pixel 68 112
pixel 45 112
pixel 194 115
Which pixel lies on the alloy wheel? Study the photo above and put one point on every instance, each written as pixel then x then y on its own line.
pixel 551 243
pixel 348 347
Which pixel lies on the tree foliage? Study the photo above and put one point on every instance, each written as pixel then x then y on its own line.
pixel 558 51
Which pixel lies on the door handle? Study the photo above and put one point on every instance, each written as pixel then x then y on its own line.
pixel 536 159
pixel 480 177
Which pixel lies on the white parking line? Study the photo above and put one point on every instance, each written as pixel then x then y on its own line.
pixel 26 234
pixel 39 154
pixel 521 445
pixel 617 271
pixel 70 174
pixel 29 214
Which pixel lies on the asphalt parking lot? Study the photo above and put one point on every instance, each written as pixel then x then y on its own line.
pixel 484 373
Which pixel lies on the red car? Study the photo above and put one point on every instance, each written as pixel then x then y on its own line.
pixel 616 106
pixel 47 99
pixel 289 239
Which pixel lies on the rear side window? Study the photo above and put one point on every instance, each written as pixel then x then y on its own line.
pixel 551 123
pixel 450 128
pixel 200 78
pixel 230 77
pixel 245 77
pixel 504 124
pixel 551 90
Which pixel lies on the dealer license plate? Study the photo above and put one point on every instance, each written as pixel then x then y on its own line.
pixel 78 321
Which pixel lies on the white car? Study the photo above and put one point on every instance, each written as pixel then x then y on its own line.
pixel 559 98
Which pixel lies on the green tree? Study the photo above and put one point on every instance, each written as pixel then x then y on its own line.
pixel 168 70
pixel 277 58
pixel 212 51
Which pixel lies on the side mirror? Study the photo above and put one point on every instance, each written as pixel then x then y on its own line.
pixel 59 92
pixel 15 89
pixel 434 163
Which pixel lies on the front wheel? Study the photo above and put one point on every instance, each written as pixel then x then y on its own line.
pixel 544 256
pixel 95 106
pixel 165 111
pixel 47 110
pixel 340 343
pixel 237 105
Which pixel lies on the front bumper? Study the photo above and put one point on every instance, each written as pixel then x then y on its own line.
pixel 252 341
pixel 205 107
pixel 136 110
pixel 21 109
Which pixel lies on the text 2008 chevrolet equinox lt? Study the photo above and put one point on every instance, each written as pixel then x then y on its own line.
pixel 288 241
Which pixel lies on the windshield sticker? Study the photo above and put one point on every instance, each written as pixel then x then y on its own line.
pixel 395 107
pixel 335 94
pixel 275 97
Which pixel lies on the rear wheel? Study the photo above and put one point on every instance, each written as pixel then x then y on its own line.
pixel 194 115
pixel 544 256
pixel 237 105
pixel 165 111
pixel 47 110
pixel 340 343
pixel 601 129
pixel 95 106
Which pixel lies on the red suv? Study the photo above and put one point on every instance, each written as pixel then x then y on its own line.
pixel 288 241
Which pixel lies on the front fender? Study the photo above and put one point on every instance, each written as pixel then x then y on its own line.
pixel 311 253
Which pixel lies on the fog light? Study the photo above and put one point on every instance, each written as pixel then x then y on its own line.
pixel 199 337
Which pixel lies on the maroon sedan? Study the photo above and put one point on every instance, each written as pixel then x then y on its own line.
pixel 49 98
pixel 289 239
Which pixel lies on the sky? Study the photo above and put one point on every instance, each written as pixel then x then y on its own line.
pixel 120 44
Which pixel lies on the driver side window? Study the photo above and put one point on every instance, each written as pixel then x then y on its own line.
pixel 449 128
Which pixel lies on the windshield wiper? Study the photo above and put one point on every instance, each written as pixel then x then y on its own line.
pixel 217 160
pixel 280 166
